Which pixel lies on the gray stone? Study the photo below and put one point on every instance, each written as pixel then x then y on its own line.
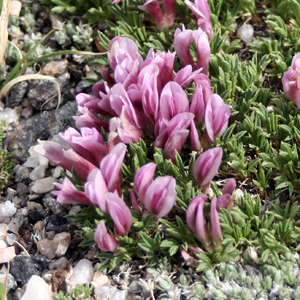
pixel 21 174
pixel 38 173
pixel 109 293
pixel 8 278
pixel 43 94
pixel 17 94
pixel 61 243
pixel 59 263
pixel 83 87
pixel 46 248
pixel 15 224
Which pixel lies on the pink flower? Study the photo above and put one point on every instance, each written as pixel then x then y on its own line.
pixel 291 81
pixel 120 214
pixel 152 7
pixel 182 41
pixel 216 230
pixel 95 189
pixel 169 11
pixel 217 115
pixel 173 101
pixel 143 178
pixel 206 166
pixel 111 168
pixel 229 187
pixel 161 196
pixel 201 97
pixel 201 11
pixel 68 159
pixel 105 241
pixel 196 220
pixel 69 194
pixel 89 145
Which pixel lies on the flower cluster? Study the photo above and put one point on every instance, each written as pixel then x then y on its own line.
pixel 146 99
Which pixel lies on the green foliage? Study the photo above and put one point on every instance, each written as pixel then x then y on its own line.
pixel 79 292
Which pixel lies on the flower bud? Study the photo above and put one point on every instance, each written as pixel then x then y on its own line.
pixel 105 241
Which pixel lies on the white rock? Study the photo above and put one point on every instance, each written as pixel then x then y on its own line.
pixel 43 186
pixel 2 244
pixel 11 238
pixel 109 293
pixel 43 161
pixel 246 33
pixel 15 224
pixel 100 279
pixel 57 172
pixel 32 161
pixel 37 289
pixel 38 173
pixel 7 210
pixel 74 210
pixel 9 115
pixel 3 229
pixel 82 273
pixel 61 243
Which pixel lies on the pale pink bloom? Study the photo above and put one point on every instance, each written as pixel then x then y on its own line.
pixel 216 230
pixel 224 201
pixel 195 141
pixel 201 97
pixel 95 188
pixel 152 7
pixel 68 194
pixel 89 145
pixel 207 165
pixel 195 219
pixel 201 10
pixel 173 101
pixel 120 49
pixel 229 187
pixel 68 159
pixel 120 214
pixel 217 115
pixel 105 241
pixel 111 168
pixel 182 41
pixel 143 178
pixel 291 81
pixel 135 204
pixel 88 119
pixel 169 11
pixel 161 196
pixel 185 76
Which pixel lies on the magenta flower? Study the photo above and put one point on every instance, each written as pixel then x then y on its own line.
pixel 217 114
pixel 161 196
pixel 196 220
pixel 291 81
pixel 120 214
pixel 143 178
pixel 68 159
pixel 229 187
pixel 89 145
pixel 201 11
pixel 206 166
pixel 169 11
pixel 152 7
pixel 69 194
pixel 182 41
pixel 224 201
pixel 105 241
pixel 201 97
pixel 216 230
pixel 111 168
pixel 195 141
pixel 173 101
pixel 95 188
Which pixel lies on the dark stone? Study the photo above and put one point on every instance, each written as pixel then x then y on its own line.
pixel 40 126
pixel 23 267
pixel 83 87
pixel 34 216
pixel 57 220
pixel 17 94
pixel 43 261
pixel 43 93
pixel 51 203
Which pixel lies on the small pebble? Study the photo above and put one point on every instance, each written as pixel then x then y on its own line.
pixel 46 248
pixel 39 225
pixel 21 174
pixel 57 172
pixel 15 224
pixel 109 293
pixel 3 229
pixel 27 112
pixel 43 186
pixel 246 33
pixel 16 201
pixel 2 244
pixel 38 173
pixel 74 210
pixel 11 238
pixel 7 210
pixel 59 263
pixel 82 273
pixel 100 279
pixel 61 243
